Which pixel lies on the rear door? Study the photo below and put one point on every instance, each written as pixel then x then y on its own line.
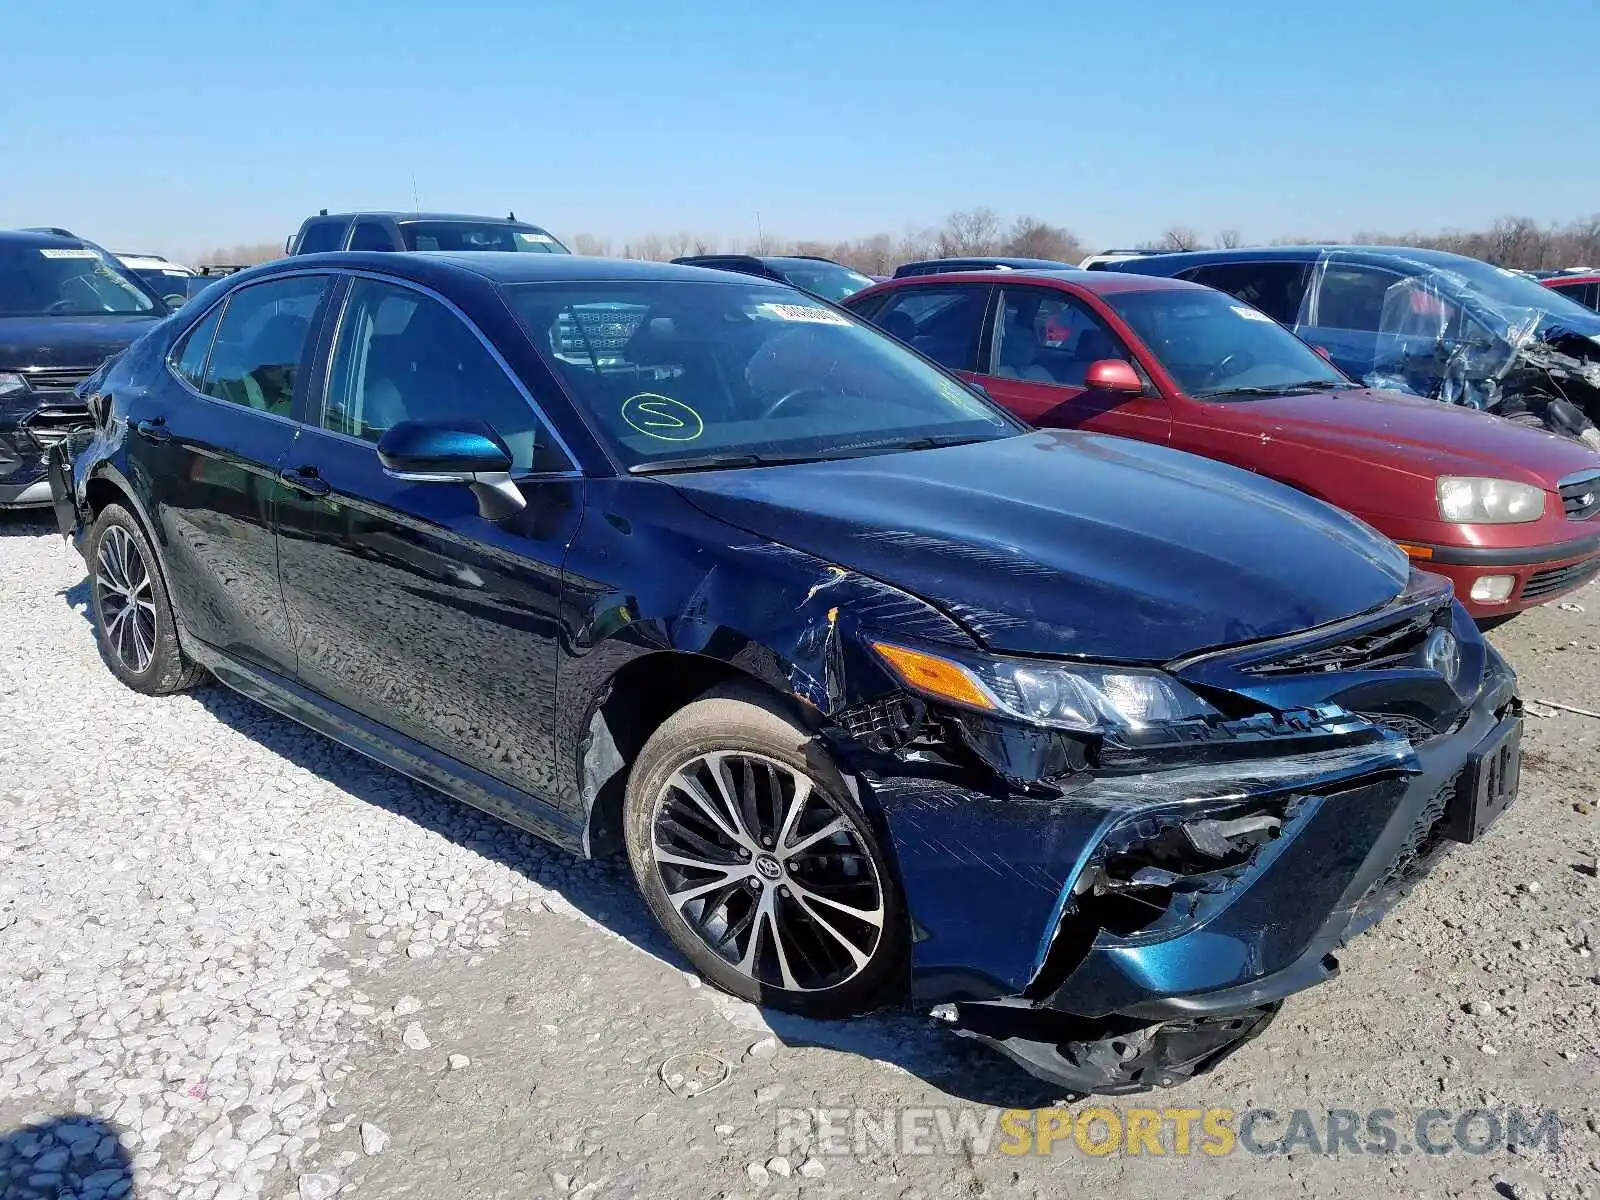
pixel 408 607
pixel 1042 345
pixel 206 446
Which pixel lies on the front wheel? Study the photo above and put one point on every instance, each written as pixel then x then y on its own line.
pixel 758 864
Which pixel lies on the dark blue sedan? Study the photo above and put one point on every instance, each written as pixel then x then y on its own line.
pixel 1093 749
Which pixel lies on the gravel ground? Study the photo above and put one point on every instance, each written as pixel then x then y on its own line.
pixel 238 960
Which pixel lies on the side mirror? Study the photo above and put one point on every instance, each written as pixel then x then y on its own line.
pixel 1113 375
pixel 454 452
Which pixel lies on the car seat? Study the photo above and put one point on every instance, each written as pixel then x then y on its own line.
pixel 899 325
pixel 1018 351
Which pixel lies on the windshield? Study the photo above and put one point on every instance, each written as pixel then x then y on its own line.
pixel 166 282
pixel 66 281
pixel 678 370
pixel 828 280
pixel 1510 289
pixel 478 235
pixel 1213 344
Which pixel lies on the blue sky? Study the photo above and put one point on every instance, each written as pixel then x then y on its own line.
pixel 183 125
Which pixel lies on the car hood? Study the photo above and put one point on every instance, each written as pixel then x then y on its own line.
pixel 1068 543
pixel 66 341
pixel 1421 436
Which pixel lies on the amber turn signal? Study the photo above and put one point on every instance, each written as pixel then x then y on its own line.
pixel 934 676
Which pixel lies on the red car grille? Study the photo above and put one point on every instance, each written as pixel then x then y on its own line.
pixel 1559 579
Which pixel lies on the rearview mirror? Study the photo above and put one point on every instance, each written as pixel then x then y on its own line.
pixel 1113 375
pixel 454 452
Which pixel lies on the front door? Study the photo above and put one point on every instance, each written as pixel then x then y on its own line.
pixel 1043 344
pixel 205 446
pixel 407 605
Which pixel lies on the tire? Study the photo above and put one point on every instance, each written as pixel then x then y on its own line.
pixel 131 609
pixel 812 957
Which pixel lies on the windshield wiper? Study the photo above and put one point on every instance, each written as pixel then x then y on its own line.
pixel 1321 385
pixel 725 462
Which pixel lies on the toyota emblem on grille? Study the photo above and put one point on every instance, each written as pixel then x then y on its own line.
pixel 1442 653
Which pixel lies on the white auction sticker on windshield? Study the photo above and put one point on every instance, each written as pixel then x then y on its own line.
pixel 1250 314
pixel 55 252
pixel 544 238
pixel 803 312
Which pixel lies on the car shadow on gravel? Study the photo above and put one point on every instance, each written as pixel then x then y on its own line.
pixel 64 1156
pixel 603 890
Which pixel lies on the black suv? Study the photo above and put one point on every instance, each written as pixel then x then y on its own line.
pixel 822 277
pixel 419 231
pixel 65 306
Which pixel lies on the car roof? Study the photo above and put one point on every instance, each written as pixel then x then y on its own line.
pixel 1100 283
pixel 507 266
pixel 420 216
pixel 1296 253
pixel 1044 264
pixel 30 237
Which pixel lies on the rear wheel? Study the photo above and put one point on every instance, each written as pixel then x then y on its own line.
pixel 132 612
pixel 756 861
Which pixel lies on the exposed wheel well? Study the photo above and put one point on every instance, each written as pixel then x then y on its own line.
pixel 639 698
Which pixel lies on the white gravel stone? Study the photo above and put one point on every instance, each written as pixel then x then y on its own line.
pixel 415 1038
pixel 318 1187
pixel 458 1062
pixel 406 1006
pixel 373 1139
pixel 759 1175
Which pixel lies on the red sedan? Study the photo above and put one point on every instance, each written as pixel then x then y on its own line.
pixel 1582 286
pixel 1510 514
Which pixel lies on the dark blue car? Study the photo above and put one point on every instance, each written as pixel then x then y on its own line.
pixel 1093 749
pixel 1424 321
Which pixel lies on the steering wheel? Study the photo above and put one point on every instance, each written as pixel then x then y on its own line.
pixel 60 307
pixel 1220 371
pixel 794 394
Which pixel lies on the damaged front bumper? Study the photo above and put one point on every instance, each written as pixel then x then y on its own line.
pixel 1129 929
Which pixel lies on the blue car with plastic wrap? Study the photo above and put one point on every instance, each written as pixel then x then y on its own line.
pixel 1088 748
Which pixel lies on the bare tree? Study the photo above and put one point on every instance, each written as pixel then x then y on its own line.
pixel 972 231
pixel 1030 237
pixel 1228 239
pixel 1180 237
pixel 592 246
pixel 247 255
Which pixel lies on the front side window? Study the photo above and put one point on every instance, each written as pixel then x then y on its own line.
pixel 369 235
pixel 1352 297
pixel 941 322
pixel 189 356
pixel 478 235
pixel 1276 288
pixel 828 280
pixel 1050 337
pixel 261 343
pixel 403 356
pixel 739 371
pixel 68 281
pixel 1216 347
pixel 320 237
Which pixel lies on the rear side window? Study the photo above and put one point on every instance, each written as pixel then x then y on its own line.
pixel 942 322
pixel 1276 288
pixel 320 237
pixel 189 357
pixel 261 343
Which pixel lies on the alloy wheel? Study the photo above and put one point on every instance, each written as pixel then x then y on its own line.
pixel 768 872
pixel 126 600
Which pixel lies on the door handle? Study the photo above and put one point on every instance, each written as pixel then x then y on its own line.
pixel 305 479
pixel 153 430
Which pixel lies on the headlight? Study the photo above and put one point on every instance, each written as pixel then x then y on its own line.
pixel 12 384
pixel 1472 501
pixel 1085 698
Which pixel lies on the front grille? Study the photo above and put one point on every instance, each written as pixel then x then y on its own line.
pixel 51 425
pixel 56 378
pixel 1580 495
pixel 1392 645
pixel 1559 579
pixel 1415 730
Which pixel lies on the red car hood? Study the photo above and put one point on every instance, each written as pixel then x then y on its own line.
pixel 1418 435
